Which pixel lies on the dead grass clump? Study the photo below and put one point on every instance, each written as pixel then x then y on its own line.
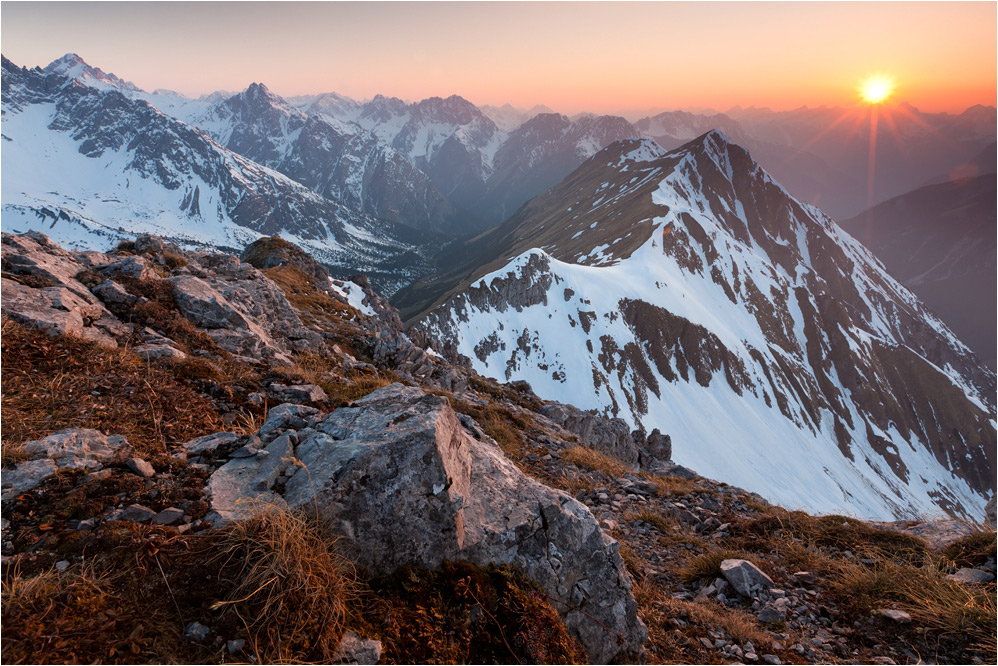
pixel 708 565
pixel 839 532
pixel 500 423
pixel 660 522
pixel 668 486
pixel 62 382
pixel 292 591
pixel 972 550
pixel 946 607
pixel 583 456
pixel 12 453
pixel 462 613
pixel 173 259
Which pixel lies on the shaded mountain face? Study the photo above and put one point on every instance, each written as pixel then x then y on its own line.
pixel 87 166
pixel 940 242
pixel 911 147
pixel 483 170
pixel 351 167
pixel 688 291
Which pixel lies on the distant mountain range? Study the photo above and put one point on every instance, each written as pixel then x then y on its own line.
pixel 688 291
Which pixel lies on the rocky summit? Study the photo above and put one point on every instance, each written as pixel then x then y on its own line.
pixel 292 475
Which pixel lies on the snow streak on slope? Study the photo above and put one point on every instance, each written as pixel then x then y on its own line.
pixel 772 347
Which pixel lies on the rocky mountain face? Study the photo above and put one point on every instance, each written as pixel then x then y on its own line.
pixel 688 291
pixel 88 165
pixel 940 242
pixel 353 168
pixel 74 67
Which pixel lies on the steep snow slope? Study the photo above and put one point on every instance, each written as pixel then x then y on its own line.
pixel 87 166
pixel 772 346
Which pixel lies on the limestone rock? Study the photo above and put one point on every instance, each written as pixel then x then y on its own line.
pixel 204 306
pixel 898 616
pixel 150 352
pixel 209 443
pixel 140 467
pixel 745 577
pixel 399 477
pixel 356 650
pixel 611 436
pixel 80 448
pixel 971 576
pixel 238 488
pixel 137 513
pixel 25 476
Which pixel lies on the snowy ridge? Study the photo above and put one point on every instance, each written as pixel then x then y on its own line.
pixel 85 165
pixel 774 349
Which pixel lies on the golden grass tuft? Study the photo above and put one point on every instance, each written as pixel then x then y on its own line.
pixel 294 591
pixel 662 523
pixel 972 550
pixel 668 486
pixel 500 423
pixel 585 457
pixel 708 565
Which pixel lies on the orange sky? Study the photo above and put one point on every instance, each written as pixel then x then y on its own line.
pixel 601 57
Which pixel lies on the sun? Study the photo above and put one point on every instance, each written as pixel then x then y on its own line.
pixel 876 88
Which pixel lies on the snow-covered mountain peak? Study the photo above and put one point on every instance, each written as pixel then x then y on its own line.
pixel 74 67
pixel 687 291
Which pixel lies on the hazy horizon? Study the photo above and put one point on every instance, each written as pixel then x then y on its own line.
pixel 571 57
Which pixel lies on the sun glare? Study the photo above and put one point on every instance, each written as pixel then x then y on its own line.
pixel 875 89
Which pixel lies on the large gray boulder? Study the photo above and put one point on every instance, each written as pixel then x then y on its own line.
pixel 403 482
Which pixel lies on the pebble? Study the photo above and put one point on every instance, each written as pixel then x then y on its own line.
pixel 196 631
pixel 771 659
pixel 898 616
pixel 168 516
pixel 140 467
pixel 136 513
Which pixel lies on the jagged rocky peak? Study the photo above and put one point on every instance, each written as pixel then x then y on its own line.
pixel 73 66
pixel 689 291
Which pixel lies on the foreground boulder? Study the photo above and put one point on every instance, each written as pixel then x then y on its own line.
pixel 398 476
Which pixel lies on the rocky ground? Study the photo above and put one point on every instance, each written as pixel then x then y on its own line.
pixel 209 459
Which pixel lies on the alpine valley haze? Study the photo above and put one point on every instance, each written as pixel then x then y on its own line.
pixel 672 348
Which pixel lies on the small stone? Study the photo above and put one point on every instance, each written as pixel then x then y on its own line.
pixel 140 467
pixel 898 616
pixel 62 565
pixel 168 516
pixel 805 578
pixel 196 631
pixel 971 576
pixel 236 646
pixel 770 614
pixel 136 513
pixel 356 650
pixel 745 576
pixel 771 659
pixel 85 525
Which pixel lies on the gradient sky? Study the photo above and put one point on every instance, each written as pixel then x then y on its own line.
pixel 596 56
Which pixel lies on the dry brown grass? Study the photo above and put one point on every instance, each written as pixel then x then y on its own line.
pixel 946 607
pixel 708 565
pixel 839 532
pixel 668 486
pixel 587 458
pixel 54 383
pixel 500 423
pixel 293 591
pixel 316 307
pixel 972 550
pixel 663 523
